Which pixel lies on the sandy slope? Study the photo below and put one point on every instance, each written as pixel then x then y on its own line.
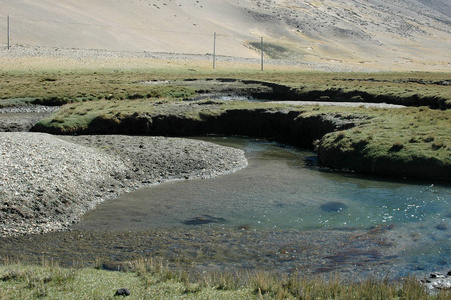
pixel 413 34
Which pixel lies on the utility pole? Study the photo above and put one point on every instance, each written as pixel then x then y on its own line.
pixel 7 29
pixel 214 52
pixel 261 47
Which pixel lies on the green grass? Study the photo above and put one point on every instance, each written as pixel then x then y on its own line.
pixel 59 88
pixel 152 279
pixel 16 102
pixel 416 138
pixel 76 117
pixel 62 86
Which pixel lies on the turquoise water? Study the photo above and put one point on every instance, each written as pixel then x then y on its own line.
pixel 282 189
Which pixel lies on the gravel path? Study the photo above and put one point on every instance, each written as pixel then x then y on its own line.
pixel 48 182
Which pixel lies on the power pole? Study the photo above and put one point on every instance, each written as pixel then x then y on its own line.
pixel 261 47
pixel 214 52
pixel 7 29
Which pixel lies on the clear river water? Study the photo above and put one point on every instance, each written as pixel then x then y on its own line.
pixel 283 191
pixel 282 213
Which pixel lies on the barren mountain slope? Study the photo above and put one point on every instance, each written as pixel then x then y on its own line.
pixel 403 34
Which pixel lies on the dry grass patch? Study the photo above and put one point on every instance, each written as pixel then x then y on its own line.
pixel 152 279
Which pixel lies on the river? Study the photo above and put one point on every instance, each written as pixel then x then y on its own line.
pixel 282 213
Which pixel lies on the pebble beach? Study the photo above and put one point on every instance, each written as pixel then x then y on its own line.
pixel 48 182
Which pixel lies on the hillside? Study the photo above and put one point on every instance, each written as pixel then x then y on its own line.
pixel 395 34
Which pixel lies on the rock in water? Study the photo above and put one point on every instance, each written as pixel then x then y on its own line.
pixel 333 207
pixel 204 219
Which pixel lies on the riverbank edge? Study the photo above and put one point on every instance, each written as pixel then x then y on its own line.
pixel 286 125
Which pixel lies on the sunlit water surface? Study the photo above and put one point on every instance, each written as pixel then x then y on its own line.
pixel 283 190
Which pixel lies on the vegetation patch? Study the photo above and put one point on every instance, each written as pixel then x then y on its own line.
pixel 15 102
pixel 152 279
pixel 412 89
pixel 385 144
pixel 63 88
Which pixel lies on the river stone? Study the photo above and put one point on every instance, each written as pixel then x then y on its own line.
pixel 333 207
pixel 204 219
pixel 442 226
pixel 123 292
pixel 437 282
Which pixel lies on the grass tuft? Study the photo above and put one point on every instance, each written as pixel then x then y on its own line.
pixel 153 279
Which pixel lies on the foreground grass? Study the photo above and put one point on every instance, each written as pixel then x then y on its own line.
pixel 153 280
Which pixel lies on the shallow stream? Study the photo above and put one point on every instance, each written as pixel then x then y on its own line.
pixel 281 213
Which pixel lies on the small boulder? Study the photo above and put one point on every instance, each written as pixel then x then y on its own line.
pixel 442 226
pixel 123 292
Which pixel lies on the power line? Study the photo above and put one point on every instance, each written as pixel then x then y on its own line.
pixel 133 28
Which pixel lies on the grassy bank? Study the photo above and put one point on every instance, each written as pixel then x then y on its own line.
pixel 153 280
pixel 383 141
pixel 395 142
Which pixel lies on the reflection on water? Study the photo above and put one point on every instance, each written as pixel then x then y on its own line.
pixel 280 213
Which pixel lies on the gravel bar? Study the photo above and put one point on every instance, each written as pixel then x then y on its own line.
pixel 47 182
